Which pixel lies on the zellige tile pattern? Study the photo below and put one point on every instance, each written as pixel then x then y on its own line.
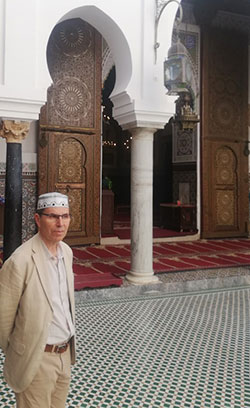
pixel 163 351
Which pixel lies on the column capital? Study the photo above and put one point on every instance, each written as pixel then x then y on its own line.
pixel 14 131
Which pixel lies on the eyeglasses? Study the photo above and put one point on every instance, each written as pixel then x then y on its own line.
pixel 55 217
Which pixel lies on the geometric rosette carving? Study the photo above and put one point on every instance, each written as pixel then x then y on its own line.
pixel 71 99
pixel 71 56
pixel 70 162
pixel 225 208
pixel 225 162
pixel 73 38
pixel 184 143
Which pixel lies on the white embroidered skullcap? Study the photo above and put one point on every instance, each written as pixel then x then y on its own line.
pixel 52 200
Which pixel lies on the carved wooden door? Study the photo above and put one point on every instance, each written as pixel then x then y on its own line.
pixel 68 165
pixel 224 135
pixel 70 136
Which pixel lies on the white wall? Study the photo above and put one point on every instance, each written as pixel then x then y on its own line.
pixel 127 26
pixel 20 92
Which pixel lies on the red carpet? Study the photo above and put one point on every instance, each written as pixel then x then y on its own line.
pixel 114 261
pixel 121 229
pixel 104 266
pixel 124 232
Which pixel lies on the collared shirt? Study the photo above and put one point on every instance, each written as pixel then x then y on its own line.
pixel 61 328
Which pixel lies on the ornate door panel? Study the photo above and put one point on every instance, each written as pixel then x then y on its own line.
pixel 224 135
pixel 69 141
pixel 70 160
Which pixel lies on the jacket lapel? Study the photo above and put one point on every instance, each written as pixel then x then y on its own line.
pixel 42 270
pixel 70 280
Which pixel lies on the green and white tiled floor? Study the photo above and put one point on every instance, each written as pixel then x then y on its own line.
pixel 162 351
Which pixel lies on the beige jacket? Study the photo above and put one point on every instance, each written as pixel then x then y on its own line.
pixel 26 311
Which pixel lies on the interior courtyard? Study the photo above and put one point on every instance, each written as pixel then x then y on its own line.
pixel 140 113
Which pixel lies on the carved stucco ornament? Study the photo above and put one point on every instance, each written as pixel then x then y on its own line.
pixel 14 131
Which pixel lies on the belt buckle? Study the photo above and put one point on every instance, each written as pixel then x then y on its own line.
pixel 60 347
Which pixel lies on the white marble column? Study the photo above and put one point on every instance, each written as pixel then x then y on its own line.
pixel 142 207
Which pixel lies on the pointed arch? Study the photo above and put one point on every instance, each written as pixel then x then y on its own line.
pixel 114 37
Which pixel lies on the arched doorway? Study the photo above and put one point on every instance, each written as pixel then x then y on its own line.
pixel 222 138
pixel 69 151
pixel 116 152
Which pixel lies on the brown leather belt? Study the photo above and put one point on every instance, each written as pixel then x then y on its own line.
pixel 56 348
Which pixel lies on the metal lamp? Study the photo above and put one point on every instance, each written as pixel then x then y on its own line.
pixel 178 74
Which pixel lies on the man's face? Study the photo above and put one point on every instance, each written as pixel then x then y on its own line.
pixel 53 229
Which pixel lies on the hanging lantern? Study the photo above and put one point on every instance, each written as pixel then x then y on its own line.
pixel 178 74
pixel 177 69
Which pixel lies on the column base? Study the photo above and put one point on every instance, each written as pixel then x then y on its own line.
pixel 137 279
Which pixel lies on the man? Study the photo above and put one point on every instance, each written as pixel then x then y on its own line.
pixel 37 310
